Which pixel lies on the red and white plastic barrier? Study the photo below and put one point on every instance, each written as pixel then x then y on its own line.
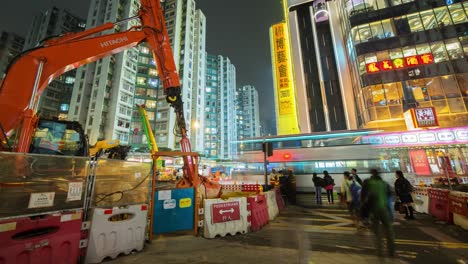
pixel 115 231
pixel 439 205
pixel 279 199
pixel 257 205
pixel 421 199
pixel 227 188
pixel 52 238
pixel 458 206
pixel 251 188
pixel 273 210
pixel 224 217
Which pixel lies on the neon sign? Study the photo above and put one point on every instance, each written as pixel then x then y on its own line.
pixel 400 63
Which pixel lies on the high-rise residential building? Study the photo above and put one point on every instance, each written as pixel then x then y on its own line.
pixel 211 110
pixel 146 93
pixel 405 55
pixel 220 108
pixel 198 83
pixel 248 112
pixel 55 100
pixel 323 85
pixel 102 99
pixel 186 27
pixel 10 46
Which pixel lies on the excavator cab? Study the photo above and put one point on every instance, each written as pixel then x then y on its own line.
pixel 59 137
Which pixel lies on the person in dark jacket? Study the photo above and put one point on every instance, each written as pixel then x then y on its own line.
pixel 403 189
pixel 318 183
pixel 356 176
pixel 329 183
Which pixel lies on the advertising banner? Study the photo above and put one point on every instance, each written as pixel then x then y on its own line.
pixel 420 163
pixel 285 96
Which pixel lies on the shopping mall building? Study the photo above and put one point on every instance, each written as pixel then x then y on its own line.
pixel 399 66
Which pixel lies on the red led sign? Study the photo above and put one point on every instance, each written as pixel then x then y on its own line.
pixel 400 63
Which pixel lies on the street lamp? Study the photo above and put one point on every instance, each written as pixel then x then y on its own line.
pixel 196 124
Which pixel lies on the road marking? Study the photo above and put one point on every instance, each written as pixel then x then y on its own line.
pixel 432 243
pixel 433 232
pixel 316 219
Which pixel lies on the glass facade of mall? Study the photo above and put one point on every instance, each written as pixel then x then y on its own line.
pixel 407 54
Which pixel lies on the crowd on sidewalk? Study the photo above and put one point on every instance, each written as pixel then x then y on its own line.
pixel 370 202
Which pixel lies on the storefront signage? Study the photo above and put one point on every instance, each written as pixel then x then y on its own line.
pixel 421 118
pixel 400 63
pixel 285 95
pixel 458 135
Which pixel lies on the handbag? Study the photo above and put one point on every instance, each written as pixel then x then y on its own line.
pixel 397 206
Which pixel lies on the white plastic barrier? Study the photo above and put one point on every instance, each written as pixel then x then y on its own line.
pixel 420 200
pixel 224 217
pixel 115 231
pixel 273 210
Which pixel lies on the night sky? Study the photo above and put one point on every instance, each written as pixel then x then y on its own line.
pixel 237 29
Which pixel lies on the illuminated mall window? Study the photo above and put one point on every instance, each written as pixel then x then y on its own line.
pixel 442 16
pixel 450 85
pixel 454 49
pixel 409 51
pixel 457 13
pixel 423 49
pixel 434 88
pixel 428 19
pixel 463 84
pixel 418 89
pixel 438 51
pixel 415 22
pixel 465 5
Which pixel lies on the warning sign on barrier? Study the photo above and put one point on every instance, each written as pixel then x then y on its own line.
pixel 38 200
pixel 225 212
pixel 75 189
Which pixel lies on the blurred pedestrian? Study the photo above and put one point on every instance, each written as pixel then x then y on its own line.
pixel 403 189
pixel 356 176
pixel 329 184
pixel 318 184
pixel 291 186
pixel 375 194
pixel 351 190
pixel 274 181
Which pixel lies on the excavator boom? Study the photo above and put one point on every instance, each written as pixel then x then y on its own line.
pixel 30 73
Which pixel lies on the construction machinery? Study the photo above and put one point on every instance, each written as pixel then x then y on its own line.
pixel 30 73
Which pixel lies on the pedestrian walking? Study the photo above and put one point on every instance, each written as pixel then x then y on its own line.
pixel 356 176
pixel 318 184
pixel 291 193
pixel 403 189
pixel 329 184
pixel 351 190
pixel 375 194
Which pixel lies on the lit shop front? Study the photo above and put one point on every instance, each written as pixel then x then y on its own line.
pixel 424 153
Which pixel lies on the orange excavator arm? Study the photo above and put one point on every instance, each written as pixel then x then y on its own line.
pixel 30 74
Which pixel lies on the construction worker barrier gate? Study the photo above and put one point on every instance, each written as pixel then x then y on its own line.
pixel 175 210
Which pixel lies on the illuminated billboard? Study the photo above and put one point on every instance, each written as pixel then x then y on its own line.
pixel 285 94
